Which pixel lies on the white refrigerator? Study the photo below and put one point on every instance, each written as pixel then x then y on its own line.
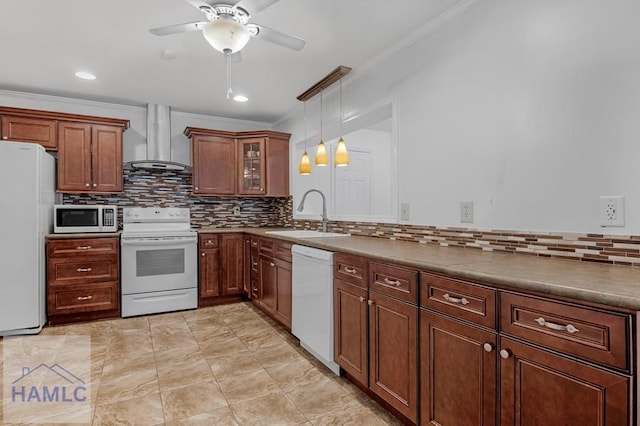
pixel 27 182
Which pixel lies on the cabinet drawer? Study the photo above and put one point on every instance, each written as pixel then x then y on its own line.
pixel 351 269
pixel 460 299
pixel 587 333
pixel 82 270
pixel 394 281
pixel 83 298
pixel 265 246
pixel 282 250
pixel 208 240
pixel 82 247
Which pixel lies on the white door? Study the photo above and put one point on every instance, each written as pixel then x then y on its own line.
pixel 353 185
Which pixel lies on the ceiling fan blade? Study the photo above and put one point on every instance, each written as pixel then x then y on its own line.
pixel 273 36
pixel 199 4
pixel 179 28
pixel 254 6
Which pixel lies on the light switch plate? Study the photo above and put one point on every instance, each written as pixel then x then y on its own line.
pixel 404 211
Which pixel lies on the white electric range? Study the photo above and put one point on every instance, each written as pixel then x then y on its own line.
pixel 159 261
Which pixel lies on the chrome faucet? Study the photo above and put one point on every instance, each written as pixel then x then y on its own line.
pixel 325 220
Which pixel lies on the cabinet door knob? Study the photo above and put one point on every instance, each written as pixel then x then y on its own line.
pixel 488 347
pixel 5 138
pixel 197 188
pixel 272 264
pixel 87 185
pixel 370 302
pixel 208 241
pixel 202 254
pixel 504 354
pixel 361 299
pixel 95 184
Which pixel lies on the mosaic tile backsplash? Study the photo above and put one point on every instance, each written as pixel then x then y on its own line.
pixel 159 188
pixel 163 188
pixel 614 249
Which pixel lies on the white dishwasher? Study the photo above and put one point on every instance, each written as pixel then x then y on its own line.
pixel 312 293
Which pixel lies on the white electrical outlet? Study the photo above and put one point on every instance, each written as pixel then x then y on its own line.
pixel 611 210
pixel 466 211
pixel 236 210
pixel 404 211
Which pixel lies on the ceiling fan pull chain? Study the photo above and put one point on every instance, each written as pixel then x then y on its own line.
pixel 227 59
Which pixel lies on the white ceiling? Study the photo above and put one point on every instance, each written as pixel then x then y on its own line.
pixel 44 42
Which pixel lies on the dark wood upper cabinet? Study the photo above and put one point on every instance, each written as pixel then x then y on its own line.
pixel 89 148
pixel 214 170
pixel 240 163
pixel 25 129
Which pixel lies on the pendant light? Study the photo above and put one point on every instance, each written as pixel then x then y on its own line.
pixel 322 159
pixel 305 165
pixel 342 156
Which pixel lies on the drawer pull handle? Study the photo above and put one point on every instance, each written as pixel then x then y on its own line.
pixel 392 282
pixel 458 300
pixel 84 297
pixel 83 248
pixel 553 326
pixel 350 270
pixel 84 270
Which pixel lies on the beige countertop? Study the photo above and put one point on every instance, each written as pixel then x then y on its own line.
pixel 613 285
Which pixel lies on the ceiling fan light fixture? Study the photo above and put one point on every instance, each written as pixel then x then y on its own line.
pixel 226 35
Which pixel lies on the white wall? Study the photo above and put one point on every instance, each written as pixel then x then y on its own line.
pixel 135 138
pixel 528 108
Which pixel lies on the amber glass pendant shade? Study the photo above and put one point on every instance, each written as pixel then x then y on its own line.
pixel 305 165
pixel 342 156
pixel 322 159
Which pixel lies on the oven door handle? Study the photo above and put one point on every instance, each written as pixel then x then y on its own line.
pixel 152 242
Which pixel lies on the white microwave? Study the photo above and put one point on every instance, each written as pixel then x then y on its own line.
pixel 68 218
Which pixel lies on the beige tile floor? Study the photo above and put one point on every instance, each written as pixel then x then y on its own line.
pixel 225 365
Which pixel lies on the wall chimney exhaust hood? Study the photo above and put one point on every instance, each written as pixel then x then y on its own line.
pixel 158 142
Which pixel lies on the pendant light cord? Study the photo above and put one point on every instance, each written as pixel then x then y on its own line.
pixel 341 135
pixel 321 114
pixel 305 127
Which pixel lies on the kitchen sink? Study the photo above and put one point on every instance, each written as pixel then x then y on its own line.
pixel 297 233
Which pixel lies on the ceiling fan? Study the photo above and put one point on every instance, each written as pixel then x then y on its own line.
pixel 228 29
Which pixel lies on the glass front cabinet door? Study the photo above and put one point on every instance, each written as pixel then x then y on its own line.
pixel 252 170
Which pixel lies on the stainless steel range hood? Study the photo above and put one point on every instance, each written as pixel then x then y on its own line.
pixel 158 142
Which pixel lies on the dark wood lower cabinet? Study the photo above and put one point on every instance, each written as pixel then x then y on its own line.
pixel 232 264
pixel 350 337
pixel 539 388
pixel 220 268
pixel 458 372
pixel 393 340
pixel 267 268
pixel 283 308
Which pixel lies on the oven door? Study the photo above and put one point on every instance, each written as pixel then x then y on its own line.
pixel 151 264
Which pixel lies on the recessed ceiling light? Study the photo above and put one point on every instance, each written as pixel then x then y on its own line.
pixel 240 98
pixel 85 75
